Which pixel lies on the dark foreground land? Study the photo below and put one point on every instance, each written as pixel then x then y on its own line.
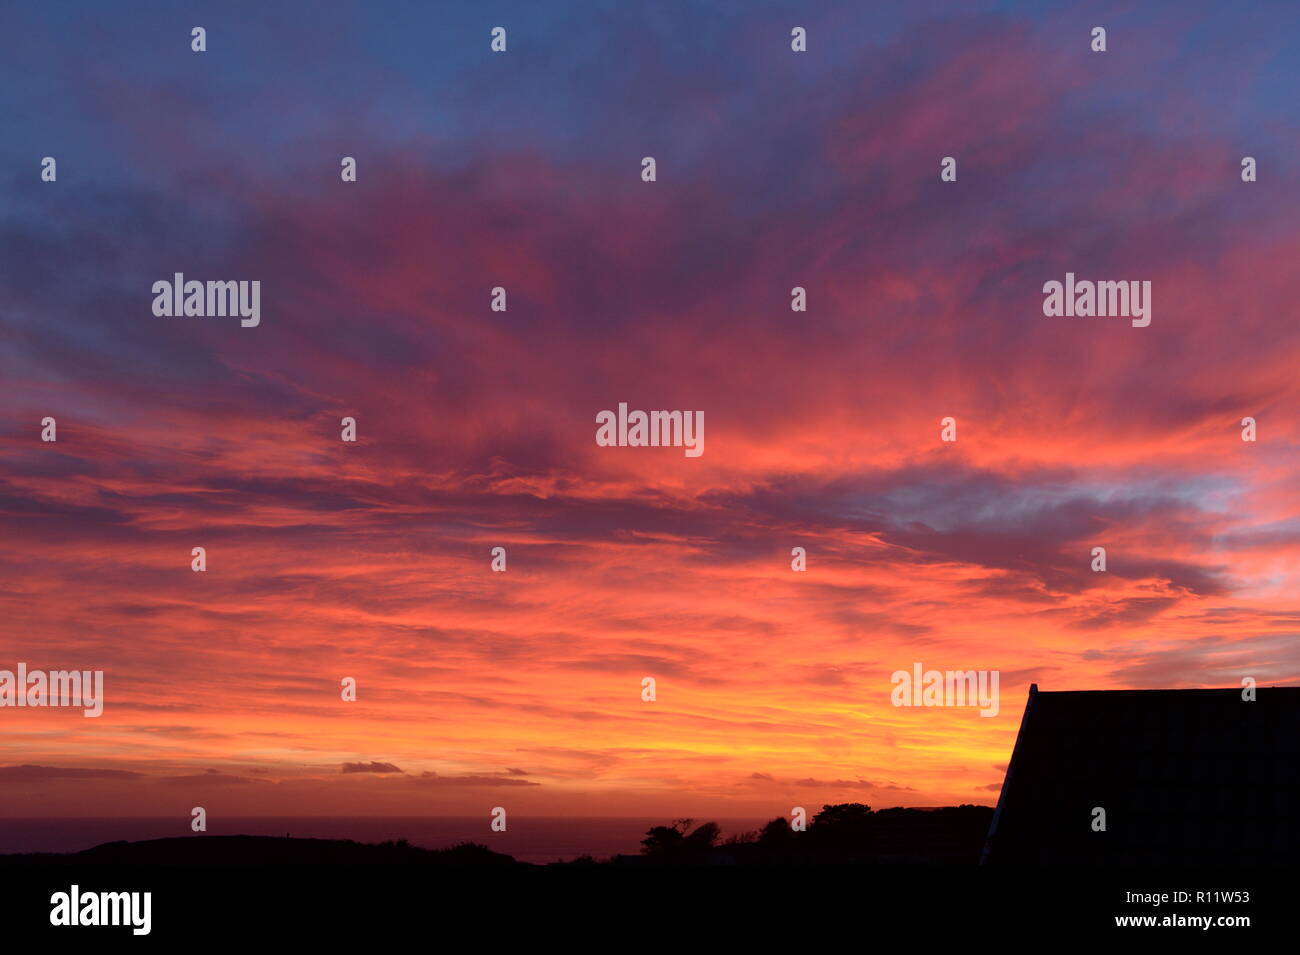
pixel 851 871
pixel 847 833
pixel 263 850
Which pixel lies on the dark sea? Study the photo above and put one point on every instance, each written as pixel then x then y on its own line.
pixel 527 838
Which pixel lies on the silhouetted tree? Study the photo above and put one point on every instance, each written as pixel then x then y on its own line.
pixel 660 840
pixel 843 813
pixel 674 840
pixel 703 837
pixel 846 824
pixel 775 833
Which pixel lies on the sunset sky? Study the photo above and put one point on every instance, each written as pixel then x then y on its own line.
pixel 476 428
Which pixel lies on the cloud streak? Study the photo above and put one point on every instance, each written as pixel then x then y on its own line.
pixel 476 428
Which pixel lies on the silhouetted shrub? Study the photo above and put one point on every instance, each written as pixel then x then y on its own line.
pixel 776 833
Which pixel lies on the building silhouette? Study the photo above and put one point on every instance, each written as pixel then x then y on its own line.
pixel 1183 777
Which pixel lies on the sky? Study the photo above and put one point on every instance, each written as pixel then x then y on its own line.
pixel 476 428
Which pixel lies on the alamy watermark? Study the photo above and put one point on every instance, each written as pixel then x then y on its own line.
pixel 651 429
pixel 75 907
pixel 1103 299
pixel 946 688
pixel 84 688
pixel 209 299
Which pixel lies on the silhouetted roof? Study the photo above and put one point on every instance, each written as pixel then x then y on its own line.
pixel 1184 776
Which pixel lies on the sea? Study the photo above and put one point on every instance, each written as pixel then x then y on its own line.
pixel 536 839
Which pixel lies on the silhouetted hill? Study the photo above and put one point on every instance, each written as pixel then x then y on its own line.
pixel 265 850
pixel 842 833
